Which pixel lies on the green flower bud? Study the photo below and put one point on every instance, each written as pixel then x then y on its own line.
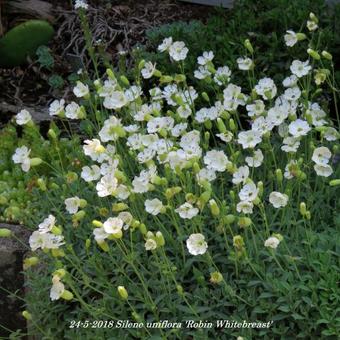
pixel 303 209
pixel 123 292
pixel 215 210
pixel 4 232
pixel 166 79
pixel 67 295
pixel 216 277
pixel 326 55
pixel 205 96
pixel 82 203
pixel 248 46
pixel 60 272
pixel 180 78
pixel 142 228
pixel 79 215
pixel 221 126
pixel 104 246
pixel 71 177
pixel 35 161
pixel 52 134
pixel 229 219
pixel 260 187
pixel 27 315
pixel 208 124
pixel 279 176
pixel 244 222
pixel 57 253
pixel 117 207
pixel 87 244
pixel 30 262
pixel 232 125
pixel 160 239
pixel 41 184
pixel 238 242
pixel 141 64
pixel 56 230
pixel 334 182
pixel 301 36
pixel 180 290
pixel 124 80
pixel 315 55
pixel 313 17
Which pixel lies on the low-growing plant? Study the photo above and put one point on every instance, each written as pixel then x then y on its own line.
pixel 191 204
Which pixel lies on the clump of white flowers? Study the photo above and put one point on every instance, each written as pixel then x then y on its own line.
pixel 173 165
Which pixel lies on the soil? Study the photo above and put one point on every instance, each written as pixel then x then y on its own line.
pixel 120 25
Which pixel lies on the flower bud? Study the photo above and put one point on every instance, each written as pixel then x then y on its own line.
pixel 248 46
pixel 315 55
pixel 180 290
pixel 244 222
pixel 313 17
pixel 334 182
pixel 160 239
pixel 52 134
pixel 67 295
pixel 57 253
pixel 238 242
pixel 326 55
pixel 60 272
pixel 123 292
pixel 79 215
pixel 142 228
pixel 97 224
pixel 215 210
pixel 87 244
pixel 56 230
pixel 303 209
pixel 221 126
pixel 35 161
pixel 232 125
pixel 104 246
pixel 205 96
pixel 279 176
pixel 216 277
pixel 166 79
pixel 30 262
pixel 229 219
pixel 300 36
pixel 27 315
pixel 117 207
pixel 180 78
pixel 260 187
pixel 41 184
pixel 124 80
pixel 4 232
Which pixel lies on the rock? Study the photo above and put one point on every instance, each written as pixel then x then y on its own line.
pixel 11 279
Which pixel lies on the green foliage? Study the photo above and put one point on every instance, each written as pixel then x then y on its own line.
pixel 56 81
pixel 45 58
pixel 23 40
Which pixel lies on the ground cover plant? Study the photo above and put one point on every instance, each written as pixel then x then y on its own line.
pixel 188 197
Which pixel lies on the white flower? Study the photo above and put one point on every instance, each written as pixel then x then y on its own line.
pixel 299 128
pixel 202 72
pixel 100 235
pixel 111 129
pixel 154 206
pixel 187 211
pixel 107 185
pixel 178 51
pixel 47 224
pixel 45 241
pixel 205 58
pixel 249 192
pixel 256 160
pixel 73 111
pixel 321 155
pixel 216 160
pixel 290 38
pixel 300 68
pixel 148 70
pixel 23 117
pixel 165 45
pixel 278 200
pixel 81 4
pixel 72 204
pixel 93 148
pixel 58 287
pixel 244 64
pixel 205 174
pixel 57 107
pixel 266 88
pixel 196 244
pixel 290 144
pixel 241 175
pixel 255 109
pixel 290 81
pixel 179 129
pixel 222 75
pixel 226 136
pixel 292 93
pixel 323 170
pixel 113 225
pixel 115 100
pixel 312 25
pixel 331 134
pixel 291 169
pixel 150 244
pixel 81 90
pixel 272 242
pixel 21 156
pixel 249 139
pixel 89 174
pixel 245 207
